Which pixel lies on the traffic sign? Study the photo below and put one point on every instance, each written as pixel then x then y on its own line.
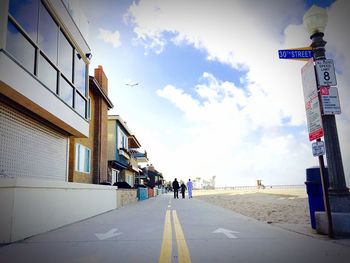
pixel 303 53
pixel 318 148
pixel 325 73
pixel 330 100
pixel 312 105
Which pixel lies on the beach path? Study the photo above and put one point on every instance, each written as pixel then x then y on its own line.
pixel 163 229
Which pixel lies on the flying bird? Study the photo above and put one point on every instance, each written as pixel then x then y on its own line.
pixel 132 84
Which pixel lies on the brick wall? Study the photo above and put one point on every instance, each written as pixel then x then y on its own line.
pixel 75 176
pixel 101 78
pixel 104 148
pixel 126 196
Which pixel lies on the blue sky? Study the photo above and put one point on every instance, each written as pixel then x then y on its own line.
pixel 213 98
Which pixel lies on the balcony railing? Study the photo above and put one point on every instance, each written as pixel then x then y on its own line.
pixel 124 152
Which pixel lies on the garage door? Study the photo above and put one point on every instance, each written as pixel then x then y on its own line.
pixel 29 148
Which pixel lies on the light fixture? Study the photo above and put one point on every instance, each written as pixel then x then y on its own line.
pixel 315 20
pixel 88 55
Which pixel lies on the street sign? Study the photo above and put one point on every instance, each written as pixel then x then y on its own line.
pixel 303 53
pixel 325 72
pixel 312 105
pixel 330 100
pixel 318 148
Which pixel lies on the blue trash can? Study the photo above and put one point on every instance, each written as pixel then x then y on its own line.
pixel 315 192
pixel 142 193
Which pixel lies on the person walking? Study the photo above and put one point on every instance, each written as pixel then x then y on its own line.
pixel 189 188
pixel 176 188
pixel 183 190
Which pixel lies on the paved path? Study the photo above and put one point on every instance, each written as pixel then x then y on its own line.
pixel 162 229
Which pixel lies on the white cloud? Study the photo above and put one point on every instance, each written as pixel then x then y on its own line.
pixel 110 37
pixel 245 34
pixel 223 139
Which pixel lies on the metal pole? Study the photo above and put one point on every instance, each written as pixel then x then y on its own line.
pixel 334 160
pixel 325 196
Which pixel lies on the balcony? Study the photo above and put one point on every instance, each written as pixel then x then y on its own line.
pixel 140 157
pixel 124 152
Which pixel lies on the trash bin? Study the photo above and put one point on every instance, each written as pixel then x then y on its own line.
pixel 142 193
pixel 315 192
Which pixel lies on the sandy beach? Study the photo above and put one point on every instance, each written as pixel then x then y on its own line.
pixel 287 208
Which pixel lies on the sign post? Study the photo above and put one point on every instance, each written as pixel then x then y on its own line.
pixel 314 121
pixel 312 105
pixel 330 100
pixel 325 72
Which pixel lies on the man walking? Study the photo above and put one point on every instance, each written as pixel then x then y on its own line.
pixel 176 188
pixel 189 188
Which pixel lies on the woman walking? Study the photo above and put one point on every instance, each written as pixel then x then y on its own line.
pixel 183 189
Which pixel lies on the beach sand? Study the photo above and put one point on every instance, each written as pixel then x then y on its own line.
pixel 286 208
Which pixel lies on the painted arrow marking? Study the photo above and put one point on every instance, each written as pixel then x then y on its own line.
pixel 111 233
pixel 228 233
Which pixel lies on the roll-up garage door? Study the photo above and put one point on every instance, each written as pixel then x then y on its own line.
pixel 29 148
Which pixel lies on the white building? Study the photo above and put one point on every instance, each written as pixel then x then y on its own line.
pixel 44 62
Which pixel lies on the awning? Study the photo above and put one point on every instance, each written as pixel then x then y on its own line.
pixel 117 165
pixel 134 168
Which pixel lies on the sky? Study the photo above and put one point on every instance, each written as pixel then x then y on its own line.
pixel 213 98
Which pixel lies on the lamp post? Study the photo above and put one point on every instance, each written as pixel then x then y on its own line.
pixel 315 20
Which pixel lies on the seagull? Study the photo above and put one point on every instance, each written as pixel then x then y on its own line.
pixel 132 85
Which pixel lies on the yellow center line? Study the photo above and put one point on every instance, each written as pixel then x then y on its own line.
pixel 182 248
pixel 165 253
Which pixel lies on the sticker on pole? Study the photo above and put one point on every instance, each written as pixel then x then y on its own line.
pixel 325 72
pixel 318 148
pixel 330 100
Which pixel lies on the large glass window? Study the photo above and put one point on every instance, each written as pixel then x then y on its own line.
pixel 80 105
pixel 65 56
pixel 80 73
pixel 66 92
pixel 48 34
pixel 26 14
pixel 20 47
pixel 82 158
pixel 38 43
pixel 47 74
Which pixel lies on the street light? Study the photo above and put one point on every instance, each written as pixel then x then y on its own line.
pixel 315 20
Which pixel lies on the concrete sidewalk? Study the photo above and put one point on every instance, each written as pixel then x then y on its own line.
pixel 135 233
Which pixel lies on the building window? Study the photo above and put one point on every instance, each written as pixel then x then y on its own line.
pixel 89 111
pixel 80 104
pixel 65 57
pixel 38 43
pixel 47 73
pixel 20 47
pixel 26 14
pixel 66 91
pixel 130 180
pixel 122 140
pixel 82 158
pixel 80 73
pixel 48 34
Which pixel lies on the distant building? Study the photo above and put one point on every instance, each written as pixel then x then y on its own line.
pixel 199 183
pixel 153 177
pixel 123 154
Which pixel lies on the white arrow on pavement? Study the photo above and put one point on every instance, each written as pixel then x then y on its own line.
pixel 226 232
pixel 111 233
